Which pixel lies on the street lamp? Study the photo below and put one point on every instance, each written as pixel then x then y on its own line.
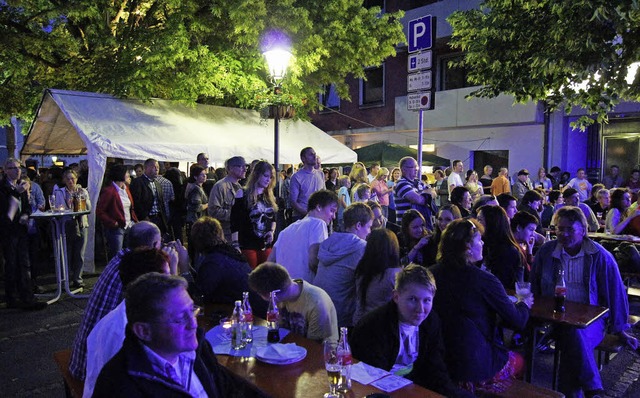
pixel 278 60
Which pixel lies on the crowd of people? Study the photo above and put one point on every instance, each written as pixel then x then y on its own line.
pixel 419 273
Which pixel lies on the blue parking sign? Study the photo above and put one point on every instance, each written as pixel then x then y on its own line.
pixel 420 34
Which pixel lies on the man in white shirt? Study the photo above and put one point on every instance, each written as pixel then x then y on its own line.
pixel 580 184
pixel 297 245
pixel 455 178
pixel 305 182
pixel 375 167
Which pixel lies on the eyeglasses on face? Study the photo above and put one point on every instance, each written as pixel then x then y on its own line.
pixel 186 317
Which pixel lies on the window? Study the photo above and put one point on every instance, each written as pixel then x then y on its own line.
pixel 329 98
pixel 451 77
pixel 374 3
pixel 372 88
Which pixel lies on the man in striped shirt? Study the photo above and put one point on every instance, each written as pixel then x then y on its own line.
pixel 409 190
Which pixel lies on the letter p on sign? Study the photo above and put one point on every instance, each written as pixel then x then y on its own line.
pixel 420 32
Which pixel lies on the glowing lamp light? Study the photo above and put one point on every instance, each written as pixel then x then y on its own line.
pixel 278 61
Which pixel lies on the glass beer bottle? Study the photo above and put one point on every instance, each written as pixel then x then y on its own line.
pixel 248 317
pixel 273 319
pixel 560 292
pixel 344 352
pixel 238 326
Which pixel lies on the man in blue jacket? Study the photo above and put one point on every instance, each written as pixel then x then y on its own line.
pixel 592 277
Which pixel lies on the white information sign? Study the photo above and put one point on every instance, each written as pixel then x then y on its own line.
pixel 419 61
pixel 419 100
pixel 419 81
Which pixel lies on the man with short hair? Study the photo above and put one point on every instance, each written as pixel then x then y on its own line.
pixel 14 218
pixel 338 258
pixel 410 190
pixel 501 183
pixel 108 291
pixel 580 184
pixel 107 335
pixel 148 196
pixel 297 245
pixel 509 203
pixel 572 198
pixel 305 309
pixel 455 178
pixel 223 194
pixel 164 353
pixel 486 178
pixel 305 182
pixel 613 179
pixel 592 277
pixel 554 176
pixel 404 336
pixel 522 185
pixel 373 173
pixel 601 207
pixel 203 160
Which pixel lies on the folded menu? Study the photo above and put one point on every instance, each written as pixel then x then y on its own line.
pixel 391 383
pixel 365 374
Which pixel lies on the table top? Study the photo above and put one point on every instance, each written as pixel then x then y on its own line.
pixel 620 238
pixel 577 314
pixel 299 379
pixel 58 214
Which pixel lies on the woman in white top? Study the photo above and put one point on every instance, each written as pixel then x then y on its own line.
pixel 543 181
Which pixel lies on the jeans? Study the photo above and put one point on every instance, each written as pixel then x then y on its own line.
pixel 17 270
pixel 578 368
pixel 115 240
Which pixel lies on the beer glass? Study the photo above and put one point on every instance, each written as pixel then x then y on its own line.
pixel 333 365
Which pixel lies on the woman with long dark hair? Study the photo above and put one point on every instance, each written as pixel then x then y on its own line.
pixel 376 272
pixel 445 215
pixel 413 238
pixel 502 254
pixel 617 217
pixel 196 200
pixel 253 215
pixel 469 302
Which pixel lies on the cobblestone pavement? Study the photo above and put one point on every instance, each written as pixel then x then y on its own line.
pixel 28 340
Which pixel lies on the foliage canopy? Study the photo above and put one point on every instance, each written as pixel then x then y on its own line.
pixel 566 53
pixel 204 51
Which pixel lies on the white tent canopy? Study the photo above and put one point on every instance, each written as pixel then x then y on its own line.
pixel 102 126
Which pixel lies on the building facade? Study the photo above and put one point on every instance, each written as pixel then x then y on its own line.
pixel 478 131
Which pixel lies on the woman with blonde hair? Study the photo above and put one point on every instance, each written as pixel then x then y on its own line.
pixel 381 190
pixel 253 215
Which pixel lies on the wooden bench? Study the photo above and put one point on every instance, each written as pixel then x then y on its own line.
pixel 522 389
pixel 73 387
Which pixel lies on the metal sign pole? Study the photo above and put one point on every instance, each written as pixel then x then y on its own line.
pixel 420 133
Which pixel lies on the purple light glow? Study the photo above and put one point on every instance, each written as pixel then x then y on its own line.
pixel 275 39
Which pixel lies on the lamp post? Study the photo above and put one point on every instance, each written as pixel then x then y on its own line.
pixel 278 61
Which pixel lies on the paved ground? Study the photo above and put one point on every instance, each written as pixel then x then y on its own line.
pixel 28 340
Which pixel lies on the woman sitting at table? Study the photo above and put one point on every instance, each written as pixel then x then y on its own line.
pixel 376 272
pixel 76 228
pixel 253 215
pixel 617 219
pixel 469 302
pixel 461 197
pixel 501 253
pixel 413 238
pixel 445 215
pixel 222 273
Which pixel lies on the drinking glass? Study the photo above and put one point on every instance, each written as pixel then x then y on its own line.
pixel 523 290
pixel 333 365
pixel 52 203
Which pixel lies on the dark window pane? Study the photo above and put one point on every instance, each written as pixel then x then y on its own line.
pixel 372 89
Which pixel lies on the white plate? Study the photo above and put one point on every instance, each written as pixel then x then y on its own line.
pixel 298 354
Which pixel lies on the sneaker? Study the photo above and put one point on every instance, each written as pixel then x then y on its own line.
pixel 77 284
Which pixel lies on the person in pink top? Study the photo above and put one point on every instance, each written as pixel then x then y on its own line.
pixel 380 187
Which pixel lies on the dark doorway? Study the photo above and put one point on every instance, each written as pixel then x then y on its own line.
pixel 496 159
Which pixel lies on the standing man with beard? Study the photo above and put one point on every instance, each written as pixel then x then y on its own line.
pixel 223 194
pixel 304 182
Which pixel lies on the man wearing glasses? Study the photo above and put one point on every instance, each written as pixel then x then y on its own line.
pixel 223 193
pixel 409 190
pixel 164 353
